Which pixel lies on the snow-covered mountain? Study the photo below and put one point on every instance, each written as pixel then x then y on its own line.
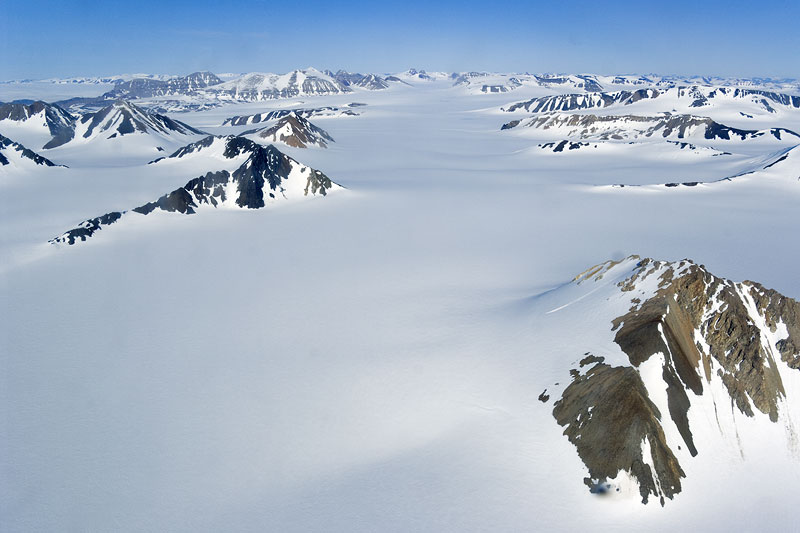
pixel 372 362
pixel 585 82
pixel 623 127
pixel 329 111
pixel 46 125
pixel 703 364
pixel 261 176
pixel 295 131
pixel 257 86
pixel 124 118
pixel 15 155
pixel 578 101
pixel 372 82
pixel 149 87
pixel 415 75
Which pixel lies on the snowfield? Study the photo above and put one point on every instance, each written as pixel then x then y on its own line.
pixel 372 360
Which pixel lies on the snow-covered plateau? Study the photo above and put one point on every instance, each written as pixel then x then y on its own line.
pixel 416 301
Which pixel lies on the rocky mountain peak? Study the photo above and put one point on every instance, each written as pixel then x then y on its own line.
pixel 265 176
pixel 122 118
pixel 691 343
pixel 297 131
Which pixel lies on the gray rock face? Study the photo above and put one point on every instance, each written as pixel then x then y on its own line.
pixel 148 88
pixel 60 123
pixel 255 87
pixel 264 175
pixel 704 332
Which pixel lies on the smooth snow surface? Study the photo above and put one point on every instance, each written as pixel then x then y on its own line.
pixel 368 361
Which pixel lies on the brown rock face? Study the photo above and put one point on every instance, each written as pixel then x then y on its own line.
pixel 608 415
pixel 705 328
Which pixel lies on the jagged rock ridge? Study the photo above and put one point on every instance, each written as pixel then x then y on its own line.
pixel 58 122
pixel 7 146
pixel 265 176
pixel 354 79
pixel 619 127
pixel 124 118
pixel 242 120
pixel 690 341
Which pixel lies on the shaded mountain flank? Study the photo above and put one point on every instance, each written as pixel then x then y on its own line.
pixel 266 175
pixel 694 96
pixel 372 82
pixel 7 146
pixel 58 122
pixel 148 87
pixel 692 343
pixel 124 118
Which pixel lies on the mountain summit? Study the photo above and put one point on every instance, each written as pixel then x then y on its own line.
pixel 296 131
pixel 703 364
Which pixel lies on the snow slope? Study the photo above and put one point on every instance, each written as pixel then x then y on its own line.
pixel 371 361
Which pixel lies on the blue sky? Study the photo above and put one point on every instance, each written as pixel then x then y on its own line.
pixel 735 38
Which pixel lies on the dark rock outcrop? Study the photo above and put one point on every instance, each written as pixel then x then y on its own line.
pixel 264 175
pixel 123 118
pixel 7 145
pixel 59 122
pixel 704 331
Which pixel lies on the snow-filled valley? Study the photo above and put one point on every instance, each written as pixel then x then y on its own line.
pixel 376 324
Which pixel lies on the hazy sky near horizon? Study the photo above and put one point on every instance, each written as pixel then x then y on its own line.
pixel 45 38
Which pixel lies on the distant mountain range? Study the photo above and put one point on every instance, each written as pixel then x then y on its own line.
pixel 243 120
